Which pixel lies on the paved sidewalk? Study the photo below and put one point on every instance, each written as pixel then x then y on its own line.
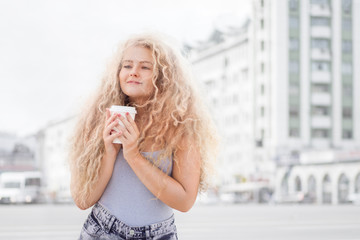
pixel 253 222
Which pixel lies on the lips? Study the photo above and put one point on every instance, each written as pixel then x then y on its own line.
pixel 133 82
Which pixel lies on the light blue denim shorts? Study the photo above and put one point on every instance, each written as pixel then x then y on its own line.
pixel 101 224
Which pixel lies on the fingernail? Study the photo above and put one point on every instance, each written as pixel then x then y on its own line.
pixel 127 113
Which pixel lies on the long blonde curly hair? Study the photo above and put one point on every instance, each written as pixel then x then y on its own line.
pixel 173 112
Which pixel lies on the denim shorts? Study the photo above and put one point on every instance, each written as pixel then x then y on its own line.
pixel 101 224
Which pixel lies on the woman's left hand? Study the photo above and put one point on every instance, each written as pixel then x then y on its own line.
pixel 129 137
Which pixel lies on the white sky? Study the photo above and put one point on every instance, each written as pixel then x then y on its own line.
pixel 52 53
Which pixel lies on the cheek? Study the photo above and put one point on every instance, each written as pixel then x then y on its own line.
pixel 150 85
pixel 122 77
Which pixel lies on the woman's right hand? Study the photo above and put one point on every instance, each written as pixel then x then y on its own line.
pixel 109 134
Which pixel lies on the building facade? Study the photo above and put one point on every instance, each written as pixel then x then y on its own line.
pixel 17 153
pixel 316 101
pixel 53 150
pixel 221 65
pixel 303 97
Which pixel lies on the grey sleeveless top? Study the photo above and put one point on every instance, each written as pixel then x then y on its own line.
pixel 127 198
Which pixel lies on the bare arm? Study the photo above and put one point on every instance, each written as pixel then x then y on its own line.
pixel 107 166
pixel 178 191
pixel 106 169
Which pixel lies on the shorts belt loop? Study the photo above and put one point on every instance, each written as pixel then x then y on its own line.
pixel 147 232
pixel 110 224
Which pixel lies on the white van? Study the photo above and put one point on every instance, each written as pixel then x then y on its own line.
pixel 20 187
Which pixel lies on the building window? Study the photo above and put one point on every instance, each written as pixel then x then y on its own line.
pixel 346 24
pixel 320 133
pixel 343 189
pixel 320 88
pixel 346 68
pixel 326 189
pixel 294 22
pixel 294 89
pixel 298 187
pixel 346 46
pixel 347 90
pixel 262 3
pixel 346 134
pixel 320 66
pixel 262 46
pixel 262 111
pixel 320 21
pixel 294 112
pixel 347 112
pixel 346 6
pixel 322 3
pixel 294 66
pixel 320 111
pixel 293 5
pixel 262 67
pixel 262 90
pixel 294 44
pixel 262 24
pixel 294 132
pixel 322 44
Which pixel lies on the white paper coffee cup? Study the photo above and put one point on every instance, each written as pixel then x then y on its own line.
pixel 122 110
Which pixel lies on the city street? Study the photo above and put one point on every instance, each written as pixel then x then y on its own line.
pixel 251 222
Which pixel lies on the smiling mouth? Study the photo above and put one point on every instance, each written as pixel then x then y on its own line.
pixel 133 82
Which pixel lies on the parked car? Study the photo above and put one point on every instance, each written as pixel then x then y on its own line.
pixel 20 187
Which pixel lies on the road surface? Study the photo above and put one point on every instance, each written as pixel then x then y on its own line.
pixel 210 222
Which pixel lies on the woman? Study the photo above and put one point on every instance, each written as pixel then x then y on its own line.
pixel 165 155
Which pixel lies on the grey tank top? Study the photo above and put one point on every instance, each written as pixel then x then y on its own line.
pixel 127 198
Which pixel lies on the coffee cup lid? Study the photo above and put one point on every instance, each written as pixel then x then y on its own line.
pixel 117 108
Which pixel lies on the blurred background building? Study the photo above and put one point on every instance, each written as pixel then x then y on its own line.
pixel 284 91
pixel 53 148
pixel 17 154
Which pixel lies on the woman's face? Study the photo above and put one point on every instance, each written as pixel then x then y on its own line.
pixel 136 74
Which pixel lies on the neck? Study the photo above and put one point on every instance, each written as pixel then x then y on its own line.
pixel 140 117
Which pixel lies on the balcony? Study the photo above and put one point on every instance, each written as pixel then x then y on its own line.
pixel 320 10
pixel 321 99
pixel 321 77
pixel 320 122
pixel 320 32
pixel 320 54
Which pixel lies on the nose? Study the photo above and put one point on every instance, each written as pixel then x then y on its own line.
pixel 134 72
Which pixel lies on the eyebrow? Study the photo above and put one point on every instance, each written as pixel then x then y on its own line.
pixel 131 61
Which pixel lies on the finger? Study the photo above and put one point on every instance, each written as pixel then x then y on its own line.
pixel 110 128
pixel 132 122
pixel 111 138
pixel 124 130
pixel 111 119
pixel 114 136
pixel 126 123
